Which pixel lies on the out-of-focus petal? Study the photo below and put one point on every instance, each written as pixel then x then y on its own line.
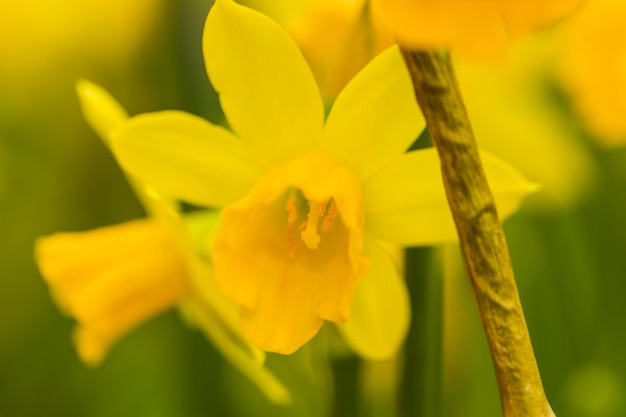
pixel 103 113
pixel 480 28
pixel 280 11
pixel 266 88
pixel 522 17
pixel 185 157
pixel 471 28
pixel 406 201
pixel 592 62
pixel 380 312
pixel 338 38
pixel 375 117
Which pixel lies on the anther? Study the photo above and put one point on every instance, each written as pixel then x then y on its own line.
pixel 330 218
pixel 292 211
pixel 292 218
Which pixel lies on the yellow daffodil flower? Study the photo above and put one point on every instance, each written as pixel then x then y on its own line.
pixel 114 278
pixel 478 28
pixel 304 200
pixel 592 52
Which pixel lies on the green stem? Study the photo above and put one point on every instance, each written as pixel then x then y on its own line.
pixel 481 237
pixel 421 379
pixel 346 397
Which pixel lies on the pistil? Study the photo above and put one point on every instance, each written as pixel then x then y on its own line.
pixel 309 236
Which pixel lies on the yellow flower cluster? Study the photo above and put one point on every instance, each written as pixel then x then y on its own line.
pixel 305 201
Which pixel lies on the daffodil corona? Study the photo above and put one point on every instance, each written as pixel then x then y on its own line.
pixel 304 199
pixel 300 231
pixel 117 287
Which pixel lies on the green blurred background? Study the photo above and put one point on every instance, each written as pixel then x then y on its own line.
pixel 55 175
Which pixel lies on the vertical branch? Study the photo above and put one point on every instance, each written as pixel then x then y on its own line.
pixel 481 237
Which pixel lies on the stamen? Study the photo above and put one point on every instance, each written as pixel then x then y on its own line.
pixel 321 208
pixel 292 211
pixel 309 236
pixel 330 218
pixel 292 218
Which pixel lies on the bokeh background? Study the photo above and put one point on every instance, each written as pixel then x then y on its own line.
pixel 55 175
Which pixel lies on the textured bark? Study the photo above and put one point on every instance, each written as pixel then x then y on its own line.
pixel 481 237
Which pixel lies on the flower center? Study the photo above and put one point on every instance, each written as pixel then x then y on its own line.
pixel 320 218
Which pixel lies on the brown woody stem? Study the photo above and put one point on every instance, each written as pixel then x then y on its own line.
pixel 481 237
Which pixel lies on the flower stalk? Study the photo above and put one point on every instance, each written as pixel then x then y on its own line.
pixel 481 236
pixel 421 374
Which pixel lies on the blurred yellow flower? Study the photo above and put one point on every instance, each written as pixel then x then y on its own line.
pixel 101 278
pixel 304 200
pixel 592 52
pixel 114 278
pixel 478 28
pixel 337 38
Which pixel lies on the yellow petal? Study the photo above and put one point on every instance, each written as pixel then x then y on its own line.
pixel 471 28
pixel 522 17
pixel 280 11
pixel 266 259
pixel 185 157
pixel 337 38
pixel 103 113
pixel 380 314
pixel 479 28
pixel 375 117
pixel 112 279
pixel 266 89
pixel 406 201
